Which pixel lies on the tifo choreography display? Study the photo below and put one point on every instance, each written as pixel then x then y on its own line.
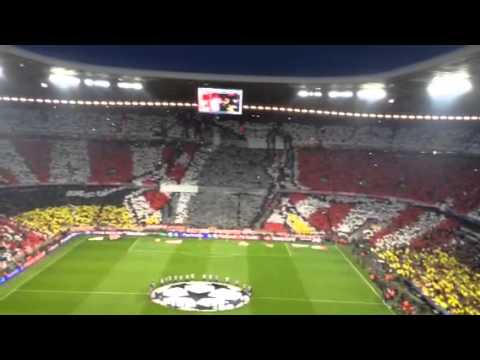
pixel 316 213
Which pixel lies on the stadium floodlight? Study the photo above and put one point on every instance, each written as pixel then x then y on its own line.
pixel 64 81
pixel 340 94
pixel 305 93
pixel 44 85
pixel 371 94
pixel 62 71
pixel 130 86
pixel 97 83
pixel 449 85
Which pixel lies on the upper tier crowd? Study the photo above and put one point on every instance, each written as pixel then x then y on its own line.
pixel 400 135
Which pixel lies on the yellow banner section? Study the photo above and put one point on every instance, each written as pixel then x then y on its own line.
pixel 298 225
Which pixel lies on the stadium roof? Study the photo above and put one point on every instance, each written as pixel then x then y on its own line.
pixel 256 60
pixel 406 86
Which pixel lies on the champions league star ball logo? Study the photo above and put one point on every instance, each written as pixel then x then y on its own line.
pixel 201 296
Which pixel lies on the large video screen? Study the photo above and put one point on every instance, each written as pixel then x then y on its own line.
pixel 220 101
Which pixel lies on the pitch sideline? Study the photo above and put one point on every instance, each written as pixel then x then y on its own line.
pixel 23 280
pixel 364 279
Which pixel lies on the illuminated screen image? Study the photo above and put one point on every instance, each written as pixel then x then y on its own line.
pixel 220 101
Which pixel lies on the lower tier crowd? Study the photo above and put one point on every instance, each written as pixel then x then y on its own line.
pixel 440 263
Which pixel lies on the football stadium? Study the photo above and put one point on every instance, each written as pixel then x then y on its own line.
pixel 146 192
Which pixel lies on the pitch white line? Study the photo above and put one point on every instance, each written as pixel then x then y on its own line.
pixel 288 249
pixel 359 273
pixel 363 278
pixel 133 244
pixel 28 278
pixel 122 293
pixel 75 292
pixel 320 301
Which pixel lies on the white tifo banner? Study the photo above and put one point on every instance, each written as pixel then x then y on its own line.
pixel 171 188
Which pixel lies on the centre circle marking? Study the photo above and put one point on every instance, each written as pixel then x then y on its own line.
pixel 203 296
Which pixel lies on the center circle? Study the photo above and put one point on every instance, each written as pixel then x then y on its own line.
pixel 204 296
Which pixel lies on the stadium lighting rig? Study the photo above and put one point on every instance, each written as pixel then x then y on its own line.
pixel 305 93
pixel 368 92
pixel 63 78
pixel 64 81
pixel 97 83
pixel 449 85
pixel 63 71
pixel 372 92
pixel 265 108
pixel 340 94
pixel 130 85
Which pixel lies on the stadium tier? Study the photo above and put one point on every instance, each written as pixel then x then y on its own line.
pixel 379 214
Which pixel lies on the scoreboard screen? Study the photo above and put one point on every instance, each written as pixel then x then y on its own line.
pixel 220 101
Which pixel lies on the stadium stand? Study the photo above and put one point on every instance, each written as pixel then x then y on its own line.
pixel 61 169
pixel 17 244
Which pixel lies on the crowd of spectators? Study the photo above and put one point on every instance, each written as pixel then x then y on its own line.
pixel 451 285
pixel 412 242
pixel 436 180
pixel 17 243
pixel 424 178
pixel 58 220
pixel 301 131
pixel 367 134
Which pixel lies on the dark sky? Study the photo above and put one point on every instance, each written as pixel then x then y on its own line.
pixel 291 60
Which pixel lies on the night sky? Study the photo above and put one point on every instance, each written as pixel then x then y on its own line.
pixel 285 60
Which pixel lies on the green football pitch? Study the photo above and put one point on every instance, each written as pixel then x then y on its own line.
pixel 113 277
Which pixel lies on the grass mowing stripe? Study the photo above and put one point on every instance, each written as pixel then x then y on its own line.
pixel 363 278
pixel 108 272
pixel 359 273
pixel 31 273
pixel 282 271
pixel 106 278
pixel 175 264
pixel 184 253
pixel 209 256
